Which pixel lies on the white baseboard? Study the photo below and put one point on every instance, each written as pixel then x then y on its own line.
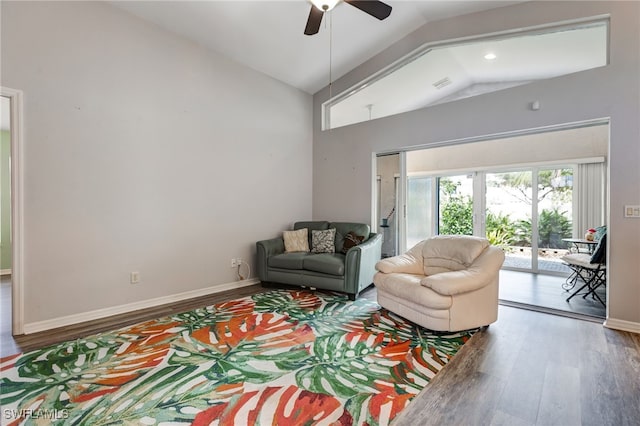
pixel 5 271
pixel 616 324
pixel 37 326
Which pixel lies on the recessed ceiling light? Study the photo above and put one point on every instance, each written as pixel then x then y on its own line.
pixel 490 56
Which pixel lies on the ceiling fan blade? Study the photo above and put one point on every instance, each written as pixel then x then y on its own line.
pixel 377 9
pixel 314 21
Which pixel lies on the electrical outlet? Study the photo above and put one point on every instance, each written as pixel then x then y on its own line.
pixel 234 263
pixel 134 277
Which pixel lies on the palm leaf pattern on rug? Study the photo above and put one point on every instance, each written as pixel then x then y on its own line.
pixel 282 357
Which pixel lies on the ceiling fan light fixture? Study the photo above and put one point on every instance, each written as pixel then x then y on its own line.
pixel 325 5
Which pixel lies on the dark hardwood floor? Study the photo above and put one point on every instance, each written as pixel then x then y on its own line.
pixel 546 291
pixel 528 368
pixel 45 338
pixel 531 368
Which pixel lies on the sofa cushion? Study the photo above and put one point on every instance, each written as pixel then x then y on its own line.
pixel 326 263
pixel 445 253
pixel 323 241
pixel 288 260
pixel 343 228
pixel 296 240
pixel 408 287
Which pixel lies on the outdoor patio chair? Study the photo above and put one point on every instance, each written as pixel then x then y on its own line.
pixel 590 269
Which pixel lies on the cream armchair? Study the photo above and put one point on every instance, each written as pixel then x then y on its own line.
pixel 444 283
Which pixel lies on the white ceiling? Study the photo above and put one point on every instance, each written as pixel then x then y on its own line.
pixel 268 35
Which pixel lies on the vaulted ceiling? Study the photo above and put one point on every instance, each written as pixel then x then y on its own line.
pixel 268 35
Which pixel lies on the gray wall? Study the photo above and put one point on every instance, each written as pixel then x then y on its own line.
pixel 144 152
pixel 343 157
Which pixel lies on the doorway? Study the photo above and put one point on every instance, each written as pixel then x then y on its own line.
pixel 5 229
pixel 387 204
pixel 11 232
pixel 5 188
pixel 526 193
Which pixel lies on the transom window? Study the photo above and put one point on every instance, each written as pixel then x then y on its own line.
pixel 456 70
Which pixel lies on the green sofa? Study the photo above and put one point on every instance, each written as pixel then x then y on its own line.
pixel 348 273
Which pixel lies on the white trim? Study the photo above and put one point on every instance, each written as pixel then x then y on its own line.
pixel 35 327
pixel 17 207
pixel 401 202
pixel 506 168
pixel 374 192
pixel 5 271
pixel 616 324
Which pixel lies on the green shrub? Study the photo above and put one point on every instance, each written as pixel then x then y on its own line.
pixel 456 210
pixel 553 226
pixel 497 237
pixel 523 233
pixel 456 217
pixel 501 229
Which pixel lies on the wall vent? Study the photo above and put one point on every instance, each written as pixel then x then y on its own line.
pixel 442 83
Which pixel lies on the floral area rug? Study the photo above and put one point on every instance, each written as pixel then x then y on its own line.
pixel 277 358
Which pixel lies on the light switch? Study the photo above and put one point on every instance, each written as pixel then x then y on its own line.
pixel 632 211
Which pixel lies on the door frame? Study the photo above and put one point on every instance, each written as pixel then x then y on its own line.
pixel 17 207
pixel 481 138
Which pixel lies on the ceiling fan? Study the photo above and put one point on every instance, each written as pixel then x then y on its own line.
pixel 377 9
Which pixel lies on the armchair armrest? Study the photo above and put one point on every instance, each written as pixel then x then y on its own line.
pixel 360 264
pixel 266 249
pixel 410 262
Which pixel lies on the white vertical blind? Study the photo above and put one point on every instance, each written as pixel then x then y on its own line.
pixel 589 193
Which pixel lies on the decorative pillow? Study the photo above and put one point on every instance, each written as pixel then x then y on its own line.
pixel 296 240
pixel 323 241
pixel 600 231
pixel 351 240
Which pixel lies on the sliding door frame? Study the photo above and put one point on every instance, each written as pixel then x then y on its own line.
pixel 17 208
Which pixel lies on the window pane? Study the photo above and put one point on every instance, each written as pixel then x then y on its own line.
pixel 508 216
pixel 419 210
pixel 455 196
pixel 555 218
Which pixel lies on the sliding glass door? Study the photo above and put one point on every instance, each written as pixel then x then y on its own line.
pixel 438 205
pixel 455 205
pixel 508 216
pixel 528 212
pixel 421 202
pixel 555 217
